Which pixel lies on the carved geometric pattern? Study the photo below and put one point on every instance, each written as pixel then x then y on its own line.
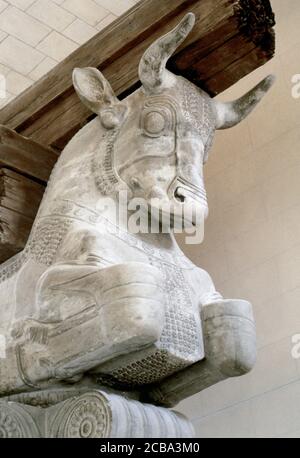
pixel 182 334
pixel 145 371
pixel 87 419
pixel 198 110
pixel 88 416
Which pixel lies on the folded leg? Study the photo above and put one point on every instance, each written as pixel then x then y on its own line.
pixel 230 349
pixel 88 316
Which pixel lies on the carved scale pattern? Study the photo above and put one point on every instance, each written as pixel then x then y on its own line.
pixel 43 244
pixel 181 333
pixel 47 238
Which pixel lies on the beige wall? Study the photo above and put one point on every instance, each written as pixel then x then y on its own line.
pixel 252 248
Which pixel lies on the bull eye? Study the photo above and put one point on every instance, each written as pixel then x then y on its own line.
pixel 154 123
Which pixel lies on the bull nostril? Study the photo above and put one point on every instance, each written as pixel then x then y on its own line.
pixel 178 196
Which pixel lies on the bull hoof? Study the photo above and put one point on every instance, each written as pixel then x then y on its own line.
pixel 230 337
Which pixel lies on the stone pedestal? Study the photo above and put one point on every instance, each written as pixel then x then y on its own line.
pixel 93 414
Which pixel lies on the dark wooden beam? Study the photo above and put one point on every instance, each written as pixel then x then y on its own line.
pixel 244 28
pixel 25 156
pixel 231 38
pixel 20 198
pixel 25 167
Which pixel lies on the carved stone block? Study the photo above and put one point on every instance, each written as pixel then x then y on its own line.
pixel 94 414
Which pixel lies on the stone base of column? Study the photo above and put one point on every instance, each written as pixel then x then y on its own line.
pixel 93 414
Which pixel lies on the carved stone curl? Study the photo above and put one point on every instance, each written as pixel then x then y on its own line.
pixel 16 422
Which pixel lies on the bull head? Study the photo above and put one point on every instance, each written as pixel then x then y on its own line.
pixel 161 134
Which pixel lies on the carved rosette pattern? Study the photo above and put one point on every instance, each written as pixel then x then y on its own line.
pixel 9 426
pixel 88 416
pixel 16 422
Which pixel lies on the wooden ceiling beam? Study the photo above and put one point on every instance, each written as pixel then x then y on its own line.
pixel 25 156
pixel 20 198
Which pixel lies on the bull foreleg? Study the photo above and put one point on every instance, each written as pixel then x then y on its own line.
pixel 230 347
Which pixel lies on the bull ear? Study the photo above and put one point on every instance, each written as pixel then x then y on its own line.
pixel 96 93
pixel 232 113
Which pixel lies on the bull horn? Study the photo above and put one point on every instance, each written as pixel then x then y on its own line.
pixel 231 113
pixel 152 68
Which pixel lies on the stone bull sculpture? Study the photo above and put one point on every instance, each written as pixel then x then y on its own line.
pixel 124 310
